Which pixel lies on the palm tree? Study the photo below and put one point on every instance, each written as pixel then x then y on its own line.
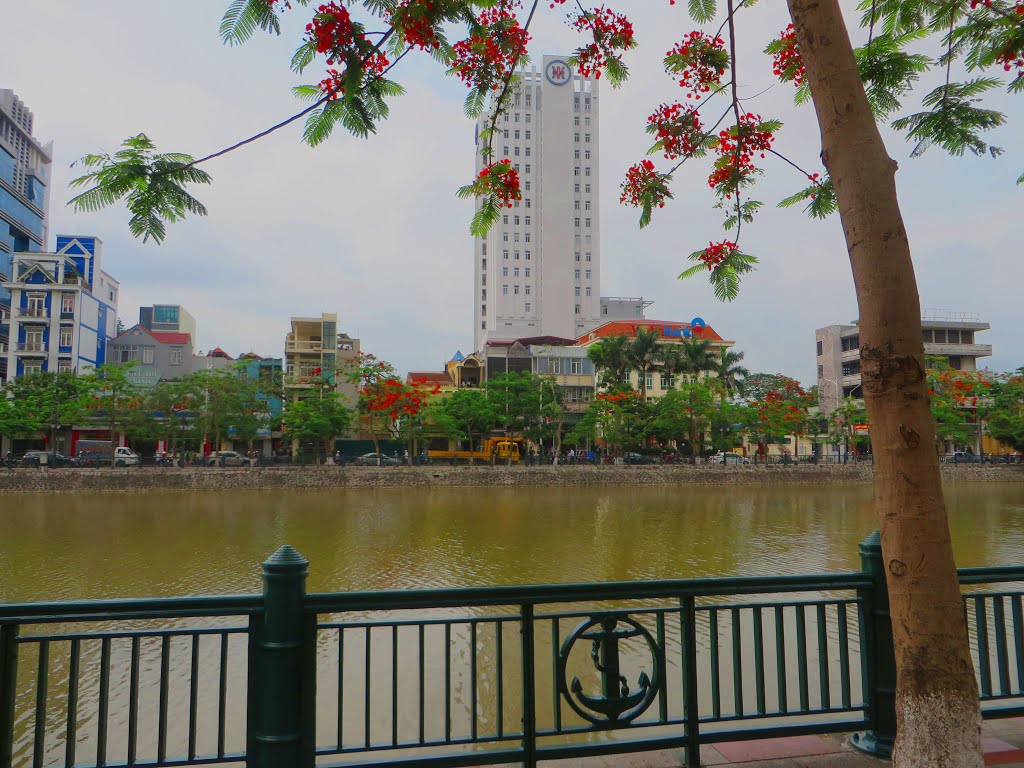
pixel 698 358
pixel 609 357
pixel 730 373
pixel 643 354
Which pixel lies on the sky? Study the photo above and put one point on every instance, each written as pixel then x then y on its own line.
pixel 371 229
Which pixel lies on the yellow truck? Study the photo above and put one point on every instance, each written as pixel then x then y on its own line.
pixel 495 450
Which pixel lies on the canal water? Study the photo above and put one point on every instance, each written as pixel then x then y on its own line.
pixel 118 545
pixel 62 547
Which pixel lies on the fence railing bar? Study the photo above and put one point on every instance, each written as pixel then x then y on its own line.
pixel 716 692
pixel 42 681
pixel 844 656
pixel 473 713
pixel 71 733
pixel 341 687
pixel 422 671
pixel 659 624
pixel 367 666
pixel 459 760
pixel 165 665
pixel 824 694
pixel 801 657
pixel 394 685
pixel 780 656
pixel 447 682
pixel 415 745
pixel 1018 639
pixel 981 628
pixel 222 695
pixel 1002 657
pixel 691 700
pixel 556 688
pixel 193 699
pixel 759 659
pixel 529 742
pixel 102 717
pixel 737 662
pixel 787 604
pixel 499 664
pixel 355 625
pixel 129 633
pixel 751 717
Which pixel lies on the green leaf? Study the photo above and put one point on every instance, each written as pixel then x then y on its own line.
pixel 953 123
pixel 244 17
pixel 1020 180
pixel 702 11
pixel 486 216
pixel 303 56
pixel 820 198
pixel 307 92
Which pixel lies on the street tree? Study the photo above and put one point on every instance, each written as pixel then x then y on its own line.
pixel 1005 415
pixel 686 413
pixel 850 90
pixel 644 354
pixel 115 398
pixel 729 371
pixel 525 403
pixel 619 420
pixel 44 403
pixel 780 408
pixel 472 412
pixel 610 359
pixel 317 419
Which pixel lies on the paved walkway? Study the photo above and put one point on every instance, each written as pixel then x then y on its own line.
pixel 1003 741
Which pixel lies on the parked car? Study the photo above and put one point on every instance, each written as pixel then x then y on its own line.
pixel 728 459
pixel 47 459
pixel 961 457
pixel 126 457
pixel 631 457
pixel 227 459
pixel 376 459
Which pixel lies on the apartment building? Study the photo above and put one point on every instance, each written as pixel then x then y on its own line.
pixel 948 335
pixel 314 351
pixel 63 310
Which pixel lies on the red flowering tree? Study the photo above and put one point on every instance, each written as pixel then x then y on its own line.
pixel 955 398
pixel 780 408
pixel 977 44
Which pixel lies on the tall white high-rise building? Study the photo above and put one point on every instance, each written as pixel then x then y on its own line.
pixel 538 271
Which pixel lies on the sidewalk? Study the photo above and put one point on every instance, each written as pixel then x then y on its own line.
pixel 1003 741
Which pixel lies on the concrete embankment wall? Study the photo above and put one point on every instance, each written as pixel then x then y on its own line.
pixel 216 479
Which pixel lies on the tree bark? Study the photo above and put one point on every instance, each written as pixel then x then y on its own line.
pixel 937 707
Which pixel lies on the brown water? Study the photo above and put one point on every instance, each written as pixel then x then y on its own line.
pixel 60 547
pixel 116 545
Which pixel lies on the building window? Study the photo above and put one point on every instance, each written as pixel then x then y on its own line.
pixel 483 263
pixel 516 272
pixel 586 205
pixel 527 289
pixel 576 221
pixel 588 274
pixel 126 354
pixel 63 366
pixel 147 355
pixel 516 221
pixel 504 271
pixel 483 279
pixel 65 337
pixel 527 305
pixel 554 365
pixel 649 380
pixel 586 154
pixel 576 119
pixel 819 349
pixel 504 290
pixel 483 295
pixel 504 219
pixel 668 381
pixel 587 139
pixel 504 237
pixel 576 138
pixel 577 311
pixel 576 154
pixel 527 255
pixel 821 370
pixel 586 121
pixel 175 355
pixel 588 171
pixel 515 237
pixel 588 221
pixel 586 105
pixel 528 115
pixel 517 134
pixel 527 167
pixel 588 290
pixel 527 186
pixel 577 366
pixel 527 202
pixel 505 255
pixel 515 289
pixel 516 118
pixel 527 151
pixel 506 133
pixel 527 221
pixel 527 271
pixel 483 309
pixel 588 255
pixel 576 204
pixel 505 153
pixel 587 189
pixel 576 171
pixel 527 135
pixel 67 303
pixel 577 290
pixel 517 255
pixel 527 237
pixel 576 274
pixel 576 188
pixel 516 152
pixel 32 368
pixel 483 323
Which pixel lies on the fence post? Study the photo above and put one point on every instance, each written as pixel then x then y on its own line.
pixel 282 669
pixel 8 688
pixel 877 654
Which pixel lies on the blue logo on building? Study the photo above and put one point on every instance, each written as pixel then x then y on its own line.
pixel 558 72
pixel 696 326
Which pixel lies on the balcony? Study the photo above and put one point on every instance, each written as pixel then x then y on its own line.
pixel 38 313
pixel 850 354
pixel 64 349
pixel 303 346
pixel 958 350
pixel 32 347
pixel 67 314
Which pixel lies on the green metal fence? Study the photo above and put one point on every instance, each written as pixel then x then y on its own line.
pixel 468 677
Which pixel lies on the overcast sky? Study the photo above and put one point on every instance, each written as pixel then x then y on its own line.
pixel 371 229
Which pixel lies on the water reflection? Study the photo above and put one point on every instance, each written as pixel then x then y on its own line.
pixel 116 545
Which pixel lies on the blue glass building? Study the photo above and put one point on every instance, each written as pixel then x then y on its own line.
pixel 24 199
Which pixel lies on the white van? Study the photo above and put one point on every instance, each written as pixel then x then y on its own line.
pixel 729 459
pixel 126 457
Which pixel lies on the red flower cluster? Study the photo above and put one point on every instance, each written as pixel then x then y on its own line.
pixel 642 180
pixel 487 58
pixel 621 397
pixel 700 61
pixel 789 65
pixel 416 21
pixel 501 180
pixel 678 130
pixel 736 148
pixel 612 32
pixel 333 34
pixel 1009 59
pixel 716 253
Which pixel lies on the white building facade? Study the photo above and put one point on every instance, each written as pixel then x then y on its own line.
pixel 538 271
pixel 63 309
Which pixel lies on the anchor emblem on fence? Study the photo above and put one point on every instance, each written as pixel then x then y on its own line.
pixel 618 704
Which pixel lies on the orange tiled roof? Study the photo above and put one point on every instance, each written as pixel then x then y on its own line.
pixel 629 327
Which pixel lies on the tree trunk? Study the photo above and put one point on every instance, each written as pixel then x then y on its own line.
pixel 937 708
